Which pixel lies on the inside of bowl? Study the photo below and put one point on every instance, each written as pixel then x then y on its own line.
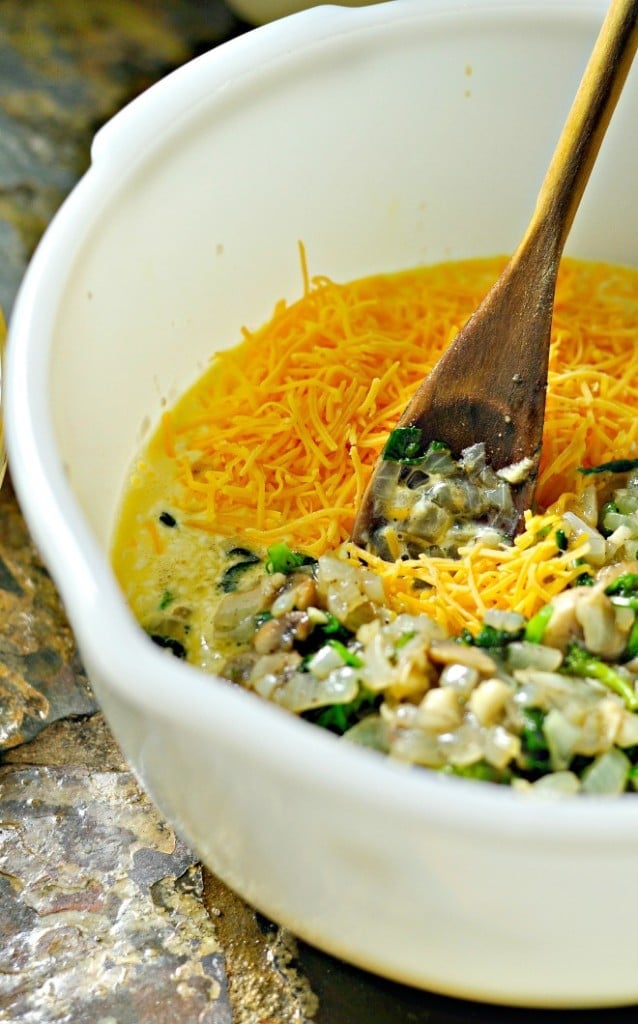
pixel 412 140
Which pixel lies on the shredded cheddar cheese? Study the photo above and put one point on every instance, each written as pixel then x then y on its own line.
pixel 278 439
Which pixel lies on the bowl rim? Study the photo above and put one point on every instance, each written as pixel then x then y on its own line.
pixel 82 570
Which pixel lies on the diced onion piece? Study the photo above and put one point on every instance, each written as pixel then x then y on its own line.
pixel 589 505
pixel 302 691
pixel 628 730
pixel 523 654
pixel 324 661
pixel 557 784
pixel 488 701
pixel 461 678
pixel 616 520
pixel 500 746
pixel 561 736
pixel 616 540
pixel 371 732
pixel 508 622
pixel 580 529
pixel 439 711
pixel 608 774
pixel 417 747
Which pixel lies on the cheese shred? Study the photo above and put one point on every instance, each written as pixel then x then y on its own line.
pixel 278 439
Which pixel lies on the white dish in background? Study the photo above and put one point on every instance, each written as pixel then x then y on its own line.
pixel 398 134
pixel 258 12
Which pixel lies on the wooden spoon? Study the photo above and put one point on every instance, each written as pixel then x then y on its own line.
pixel 490 384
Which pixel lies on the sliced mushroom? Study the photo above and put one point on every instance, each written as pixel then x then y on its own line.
pixel 280 634
pixel 448 652
pixel 597 617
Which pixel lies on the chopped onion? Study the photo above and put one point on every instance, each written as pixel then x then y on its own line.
pixel 371 732
pixel 324 661
pixel 508 622
pixel 579 529
pixel 561 736
pixel 607 774
pixel 522 654
pixel 302 691
pixel 557 784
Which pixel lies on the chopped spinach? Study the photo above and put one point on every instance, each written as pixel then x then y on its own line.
pixel 579 662
pixel 625 585
pixel 403 445
pixel 535 628
pixel 167 519
pixel 338 718
pixel 231 577
pixel 480 771
pixel 169 643
pixel 490 637
pixel 332 625
pixel 584 579
pixel 615 466
pixel 561 540
pixel 282 559
pixel 347 656
pixel 534 750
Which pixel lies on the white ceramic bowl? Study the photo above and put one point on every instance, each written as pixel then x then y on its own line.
pixel 383 137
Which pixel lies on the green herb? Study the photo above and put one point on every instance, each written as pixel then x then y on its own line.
pixel 490 637
pixel 404 639
pixel 625 585
pixel 262 617
pixel 437 446
pixel 321 634
pixel 534 749
pixel 167 598
pixel 169 643
pixel 542 533
pixel 230 580
pixel 535 628
pixel 403 445
pixel 584 580
pixel 282 559
pixel 615 466
pixel 561 540
pixel 338 718
pixel 332 625
pixel 579 662
pixel 480 771
pixel 347 656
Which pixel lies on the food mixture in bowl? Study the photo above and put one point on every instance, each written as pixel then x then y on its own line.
pixel 515 663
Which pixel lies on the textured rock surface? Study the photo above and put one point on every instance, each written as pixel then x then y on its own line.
pixel 102 906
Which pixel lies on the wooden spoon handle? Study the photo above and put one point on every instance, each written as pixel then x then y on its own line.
pixel 585 127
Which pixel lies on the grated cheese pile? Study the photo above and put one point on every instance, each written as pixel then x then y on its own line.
pixel 276 442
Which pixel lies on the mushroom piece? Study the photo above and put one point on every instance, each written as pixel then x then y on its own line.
pixel 601 626
pixel 280 634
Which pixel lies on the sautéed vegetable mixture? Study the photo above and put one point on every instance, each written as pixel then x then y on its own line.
pixel 515 663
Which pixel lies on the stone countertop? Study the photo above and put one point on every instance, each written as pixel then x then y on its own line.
pixel 105 915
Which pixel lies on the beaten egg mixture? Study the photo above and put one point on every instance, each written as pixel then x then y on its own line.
pixel 515 663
